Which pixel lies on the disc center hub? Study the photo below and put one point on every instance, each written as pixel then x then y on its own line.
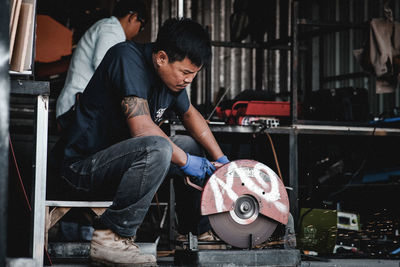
pixel 246 210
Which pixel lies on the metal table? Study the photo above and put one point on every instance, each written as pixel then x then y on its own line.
pixel 293 131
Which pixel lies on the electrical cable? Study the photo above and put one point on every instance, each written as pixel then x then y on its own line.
pixel 275 156
pixel 262 130
pixel 19 176
pixel 24 191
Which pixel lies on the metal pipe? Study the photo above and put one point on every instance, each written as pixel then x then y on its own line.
pixel 4 124
pixel 294 62
pixel 289 54
pixel 208 88
pixel 294 174
pixel 277 53
pixel 154 20
pixel 180 9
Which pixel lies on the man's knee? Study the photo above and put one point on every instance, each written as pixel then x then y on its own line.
pixel 160 151
pixel 188 144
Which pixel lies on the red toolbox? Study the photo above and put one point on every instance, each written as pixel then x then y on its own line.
pixel 261 108
pixel 256 108
pixel 276 109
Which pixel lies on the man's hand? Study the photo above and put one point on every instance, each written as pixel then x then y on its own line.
pixel 197 167
pixel 223 159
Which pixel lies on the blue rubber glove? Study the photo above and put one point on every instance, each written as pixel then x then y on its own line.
pixel 223 159
pixel 197 167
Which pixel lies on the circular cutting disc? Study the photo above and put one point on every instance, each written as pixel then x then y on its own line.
pixel 238 234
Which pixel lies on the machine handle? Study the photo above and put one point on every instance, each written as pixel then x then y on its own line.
pixel 234 109
pixel 188 182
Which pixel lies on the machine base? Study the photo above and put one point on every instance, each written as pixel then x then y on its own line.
pixel 234 257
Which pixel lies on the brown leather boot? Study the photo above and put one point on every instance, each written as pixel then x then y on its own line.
pixel 109 249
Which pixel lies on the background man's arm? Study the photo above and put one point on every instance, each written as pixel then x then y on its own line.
pixel 140 123
pixel 198 128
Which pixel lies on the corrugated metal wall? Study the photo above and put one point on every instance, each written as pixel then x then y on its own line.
pixel 332 53
pixel 326 55
pixel 232 68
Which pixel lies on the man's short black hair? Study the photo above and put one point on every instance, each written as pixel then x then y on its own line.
pixel 125 7
pixel 184 38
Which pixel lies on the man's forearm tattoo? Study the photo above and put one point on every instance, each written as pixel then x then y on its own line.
pixel 133 106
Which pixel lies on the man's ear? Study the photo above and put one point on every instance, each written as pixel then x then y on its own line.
pixel 132 16
pixel 161 58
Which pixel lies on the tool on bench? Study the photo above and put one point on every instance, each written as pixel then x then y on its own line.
pixel 249 112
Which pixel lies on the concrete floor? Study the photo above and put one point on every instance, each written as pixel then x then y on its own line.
pixel 352 263
pixel 169 261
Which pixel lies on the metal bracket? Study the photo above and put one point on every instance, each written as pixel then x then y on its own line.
pixel 290 241
pixel 193 242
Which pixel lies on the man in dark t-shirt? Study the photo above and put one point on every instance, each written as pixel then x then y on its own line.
pixel 126 70
pixel 115 148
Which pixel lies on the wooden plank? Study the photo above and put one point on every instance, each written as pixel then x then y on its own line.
pixel 22 38
pixel 31 33
pixel 55 215
pixel 47 220
pixel 98 211
pixel 12 11
pixel 14 24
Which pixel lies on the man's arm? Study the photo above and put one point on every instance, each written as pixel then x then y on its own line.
pixel 139 122
pixel 198 128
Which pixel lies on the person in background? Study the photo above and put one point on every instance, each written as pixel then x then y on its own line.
pixel 127 20
pixel 114 147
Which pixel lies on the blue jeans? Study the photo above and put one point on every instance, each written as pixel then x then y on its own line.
pixel 187 198
pixel 129 173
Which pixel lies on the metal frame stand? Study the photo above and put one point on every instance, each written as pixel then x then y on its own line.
pixel 41 91
pixel 39 195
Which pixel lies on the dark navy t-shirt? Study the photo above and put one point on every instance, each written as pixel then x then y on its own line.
pixel 126 70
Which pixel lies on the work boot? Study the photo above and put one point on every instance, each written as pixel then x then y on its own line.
pixel 109 249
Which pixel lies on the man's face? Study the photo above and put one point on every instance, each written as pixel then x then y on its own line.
pixel 176 75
